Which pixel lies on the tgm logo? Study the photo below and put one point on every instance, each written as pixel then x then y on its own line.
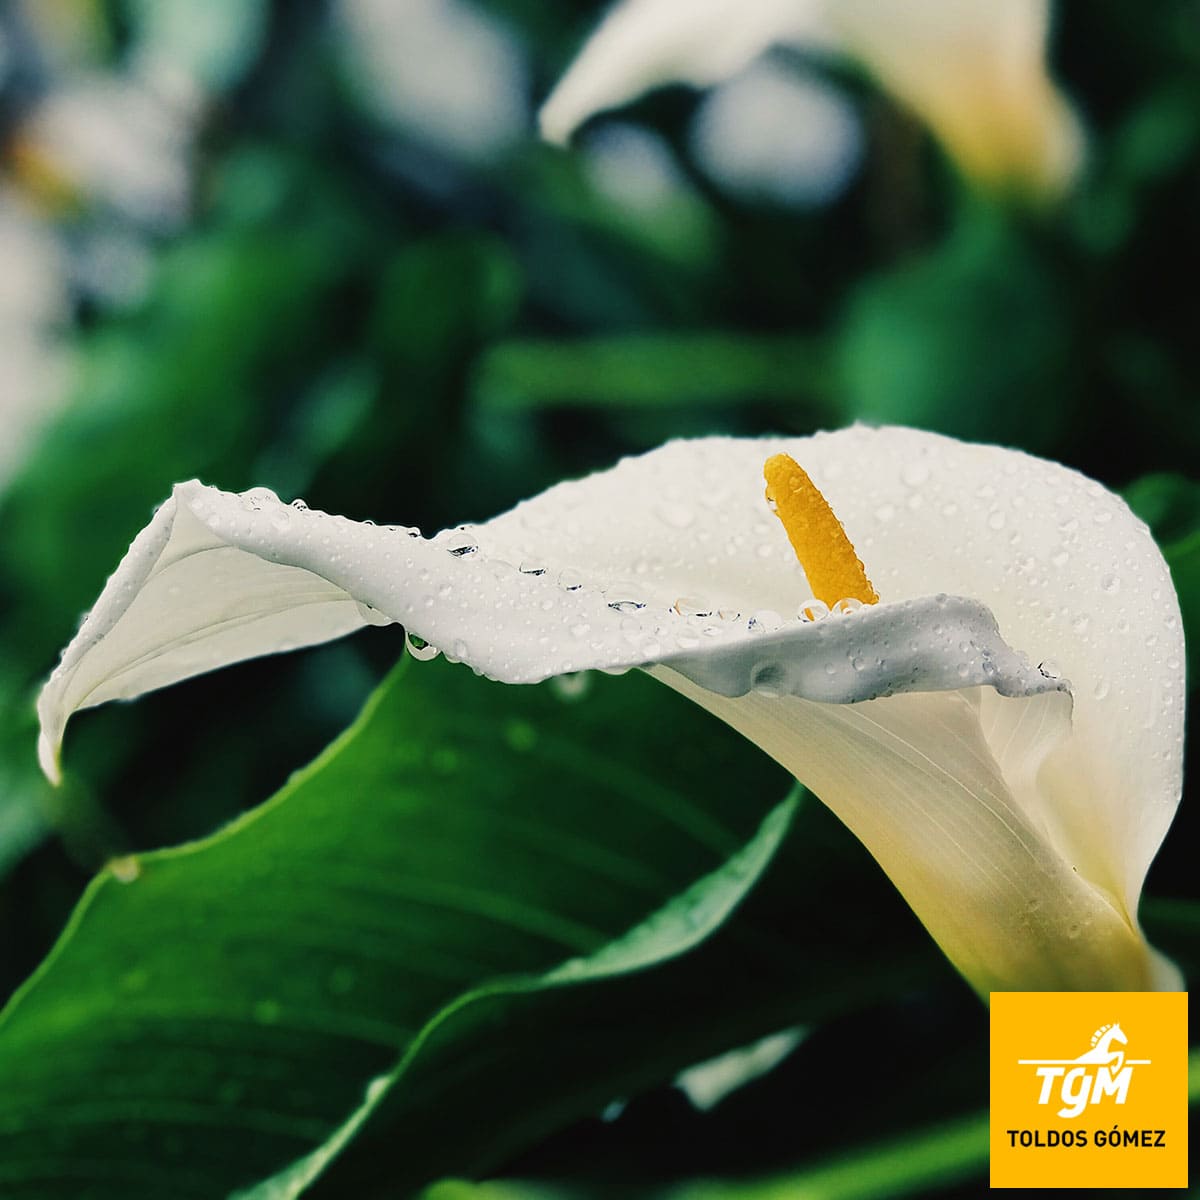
pixel 1097 1073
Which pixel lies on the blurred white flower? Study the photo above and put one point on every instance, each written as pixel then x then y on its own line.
pixel 120 142
pixel 769 134
pixel 973 70
pixel 34 308
pixel 633 167
pixel 444 69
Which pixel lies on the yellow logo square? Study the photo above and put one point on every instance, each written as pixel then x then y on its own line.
pixel 1089 1089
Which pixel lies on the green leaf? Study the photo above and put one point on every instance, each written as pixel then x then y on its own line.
pixel 640 371
pixel 972 340
pixel 938 1157
pixel 351 981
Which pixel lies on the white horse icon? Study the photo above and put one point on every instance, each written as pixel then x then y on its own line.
pixel 1100 1053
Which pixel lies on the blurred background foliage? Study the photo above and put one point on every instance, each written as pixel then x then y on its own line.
pixel 315 245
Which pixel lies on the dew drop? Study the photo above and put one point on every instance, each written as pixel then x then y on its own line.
pixel 571 687
pixel 623 597
pixel 678 516
pixel 812 609
pixel 687 606
pixel 126 869
pixel 460 543
pixel 996 519
pixel 847 605
pixel 1102 688
pixel 766 620
pixel 372 616
pixel 1110 584
pixel 570 580
pixel 419 648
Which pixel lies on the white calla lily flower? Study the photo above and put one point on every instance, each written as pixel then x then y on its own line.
pixel 1002 729
pixel 973 70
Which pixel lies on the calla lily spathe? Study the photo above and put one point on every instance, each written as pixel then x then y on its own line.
pixel 1003 731
pixel 973 70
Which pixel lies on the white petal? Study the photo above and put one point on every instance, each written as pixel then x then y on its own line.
pixel 975 72
pixel 217 578
pixel 182 602
pixel 643 44
pixel 914 780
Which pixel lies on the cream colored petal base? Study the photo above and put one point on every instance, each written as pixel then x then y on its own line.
pixel 914 779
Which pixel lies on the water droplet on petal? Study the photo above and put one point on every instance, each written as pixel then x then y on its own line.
pixel 623 597
pixel 678 516
pixel 459 542
pixel 848 605
pixel 766 620
pixel 812 609
pixel 420 649
pixel 686 606
pixel 372 616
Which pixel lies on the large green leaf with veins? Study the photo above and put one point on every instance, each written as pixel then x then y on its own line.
pixel 482 913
